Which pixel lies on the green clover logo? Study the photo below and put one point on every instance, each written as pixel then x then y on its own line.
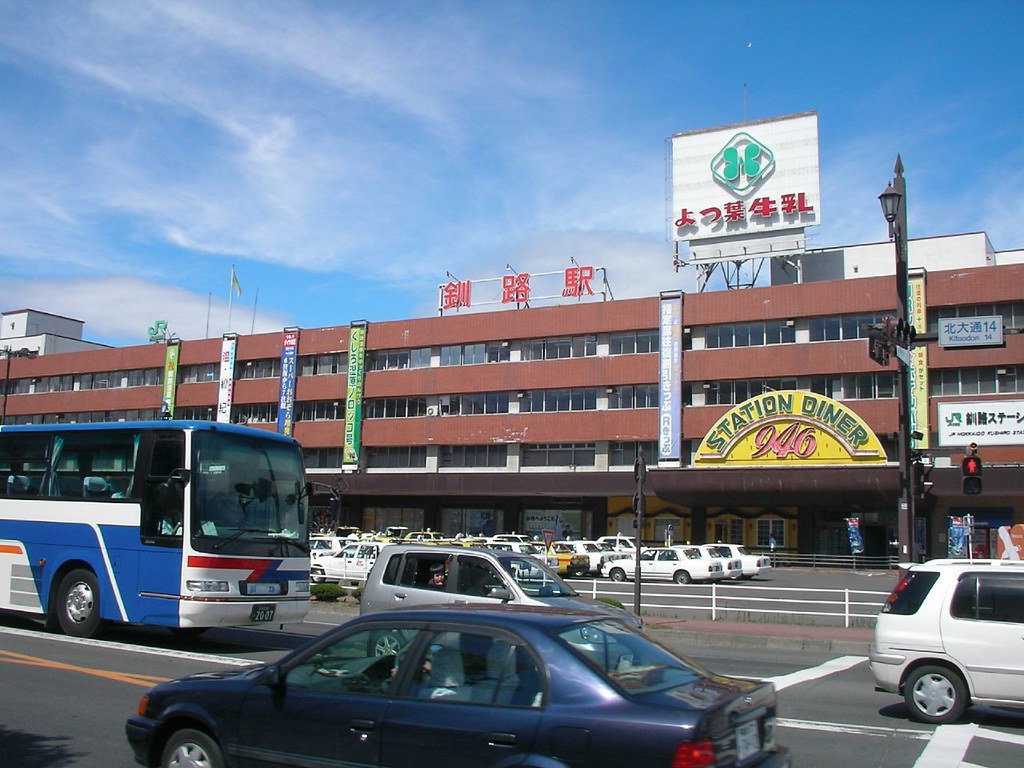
pixel 742 163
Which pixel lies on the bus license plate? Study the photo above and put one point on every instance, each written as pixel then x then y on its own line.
pixel 262 613
pixel 747 741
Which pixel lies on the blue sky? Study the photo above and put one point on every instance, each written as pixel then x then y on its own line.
pixel 345 155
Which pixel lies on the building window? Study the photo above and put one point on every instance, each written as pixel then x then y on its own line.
pixel 634 342
pixel 729 530
pixel 323 365
pixel 196 413
pixel 474 455
pixel 1011 312
pixel 261 413
pixel 387 360
pixel 320 410
pixel 842 328
pixel 396 457
pixel 771 530
pixel 190 374
pixel 634 396
pixel 948 382
pixel 561 348
pixel 394 407
pixel 474 403
pixel 555 400
pixel 756 334
pixel 269 368
pixel 735 392
pixel 321 458
pixel 559 455
pixel 624 453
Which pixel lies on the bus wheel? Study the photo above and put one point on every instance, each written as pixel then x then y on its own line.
pixel 78 604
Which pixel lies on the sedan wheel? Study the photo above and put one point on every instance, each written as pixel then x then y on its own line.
pixel 617 574
pixel 189 748
pixel 935 695
pixel 681 577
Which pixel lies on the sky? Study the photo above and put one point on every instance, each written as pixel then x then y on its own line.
pixel 346 157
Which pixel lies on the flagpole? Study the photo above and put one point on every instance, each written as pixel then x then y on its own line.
pixel 231 290
pixel 255 301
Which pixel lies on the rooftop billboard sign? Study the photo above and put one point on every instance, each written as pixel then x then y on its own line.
pixel 746 190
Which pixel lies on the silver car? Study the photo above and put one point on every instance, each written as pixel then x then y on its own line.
pixel 402 575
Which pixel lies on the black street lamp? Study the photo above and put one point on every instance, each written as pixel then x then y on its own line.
pixel 894 207
pixel 9 353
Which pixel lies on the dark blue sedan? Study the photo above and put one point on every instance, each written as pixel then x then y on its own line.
pixel 464 686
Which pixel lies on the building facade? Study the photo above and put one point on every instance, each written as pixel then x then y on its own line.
pixel 531 419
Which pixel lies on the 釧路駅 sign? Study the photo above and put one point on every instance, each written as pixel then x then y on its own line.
pixel 995 422
pixel 789 428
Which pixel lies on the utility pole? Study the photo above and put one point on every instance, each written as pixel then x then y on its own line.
pixel 639 507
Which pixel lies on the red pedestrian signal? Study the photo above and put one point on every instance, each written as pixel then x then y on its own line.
pixel 971 470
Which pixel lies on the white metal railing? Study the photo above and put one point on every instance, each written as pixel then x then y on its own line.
pixel 729 598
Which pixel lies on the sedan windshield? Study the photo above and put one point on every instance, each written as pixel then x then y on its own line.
pixel 535 578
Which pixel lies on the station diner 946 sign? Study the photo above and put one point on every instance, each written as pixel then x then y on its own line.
pixel 746 190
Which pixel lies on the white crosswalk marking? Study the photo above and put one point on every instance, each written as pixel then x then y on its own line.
pixel 813 673
pixel 947 746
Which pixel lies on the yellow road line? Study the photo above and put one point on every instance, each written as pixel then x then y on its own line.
pixel 145 681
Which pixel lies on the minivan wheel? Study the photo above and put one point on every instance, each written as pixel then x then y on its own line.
pixel 935 695
pixel 617 574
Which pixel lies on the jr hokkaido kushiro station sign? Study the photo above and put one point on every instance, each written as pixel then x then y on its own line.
pixel 792 429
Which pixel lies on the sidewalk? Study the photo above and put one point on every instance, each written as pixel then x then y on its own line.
pixel 752 634
pixel 800 637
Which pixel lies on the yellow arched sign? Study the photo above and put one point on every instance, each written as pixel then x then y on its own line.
pixel 789 428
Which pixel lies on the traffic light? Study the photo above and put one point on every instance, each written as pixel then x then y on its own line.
pixel 904 334
pixel 878 345
pixel 971 470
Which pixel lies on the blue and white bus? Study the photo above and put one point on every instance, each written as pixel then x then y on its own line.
pixel 180 524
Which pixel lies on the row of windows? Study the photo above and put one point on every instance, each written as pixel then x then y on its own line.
pixel 948 382
pixel 756 334
pixel 620 454
pixel 1011 312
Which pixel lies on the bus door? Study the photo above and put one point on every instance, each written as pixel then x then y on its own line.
pixel 162 525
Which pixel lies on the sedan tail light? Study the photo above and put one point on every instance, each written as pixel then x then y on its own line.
pixel 694 754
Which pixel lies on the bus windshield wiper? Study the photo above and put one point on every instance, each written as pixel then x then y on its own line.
pixel 236 535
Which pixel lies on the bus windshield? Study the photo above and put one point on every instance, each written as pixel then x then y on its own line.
pixel 246 492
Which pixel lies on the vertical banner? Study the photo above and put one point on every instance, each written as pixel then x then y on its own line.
pixel 286 396
pixel 354 394
pixel 957 537
pixel 225 394
pixel 670 375
pixel 170 379
pixel 853 533
pixel 918 368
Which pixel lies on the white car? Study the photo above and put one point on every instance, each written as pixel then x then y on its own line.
pixel 590 549
pixel 619 542
pixel 325 546
pixel 753 565
pixel 950 635
pixel 351 564
pixel 679 564
pixel 733 566
pixel 525 548
pixel 505 537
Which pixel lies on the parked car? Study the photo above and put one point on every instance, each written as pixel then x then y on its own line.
pixel 401 576
pixel 589 549
pixel 619 542
pixel 526 548
pixel 733 566
pixel 499 537
pixel 680 564
pixel 570 563
pixel 351 565
pixel 325 546
pixel 950 635
pixel 753 565
pixel 474 686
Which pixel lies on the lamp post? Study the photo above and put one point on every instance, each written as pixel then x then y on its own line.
pixel 9 353
pixel 894 207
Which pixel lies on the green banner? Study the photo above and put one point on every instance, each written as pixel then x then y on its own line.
pixel 354 394
pixel 170 377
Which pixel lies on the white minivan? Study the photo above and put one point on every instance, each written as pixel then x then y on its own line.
pixel 950 635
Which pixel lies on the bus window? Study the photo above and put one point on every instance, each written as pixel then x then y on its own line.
pixel 164 503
